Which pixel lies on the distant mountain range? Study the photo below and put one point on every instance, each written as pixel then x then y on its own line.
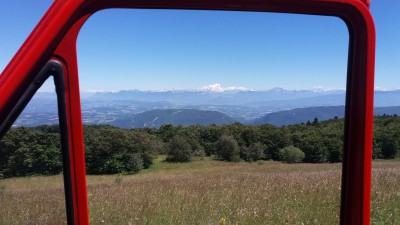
pixel 276 99
pixel 229 97
pixel 139 108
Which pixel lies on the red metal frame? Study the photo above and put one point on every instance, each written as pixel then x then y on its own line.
pixel 55 37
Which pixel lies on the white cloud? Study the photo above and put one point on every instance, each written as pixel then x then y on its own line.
pixel 326 89
pixel 219 88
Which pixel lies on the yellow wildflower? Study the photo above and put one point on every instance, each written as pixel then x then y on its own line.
pixel 222 221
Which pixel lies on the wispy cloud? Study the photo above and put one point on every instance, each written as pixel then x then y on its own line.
pixel 385 89
pixel 99 91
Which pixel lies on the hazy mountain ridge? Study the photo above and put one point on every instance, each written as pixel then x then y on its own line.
pixel 185 117
pixel 302 115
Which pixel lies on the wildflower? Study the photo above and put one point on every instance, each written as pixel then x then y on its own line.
pixel 222 221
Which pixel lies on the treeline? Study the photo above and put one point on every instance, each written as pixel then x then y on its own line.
pixel 36 151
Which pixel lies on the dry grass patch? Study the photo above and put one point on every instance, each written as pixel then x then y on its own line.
pixel 203 192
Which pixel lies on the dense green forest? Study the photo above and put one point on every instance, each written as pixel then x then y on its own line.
pixel 36 151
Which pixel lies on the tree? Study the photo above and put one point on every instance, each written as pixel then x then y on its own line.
pixel 334 147
pixel 386 137
pixel 208 136
pixel 166 132
pixel 192 136
pixel 114 150
pixel 179 150
pixel 227 148
pixel 30 151
pixel 250 135
pixel 315 121
pixel 275 138
pixel 389 147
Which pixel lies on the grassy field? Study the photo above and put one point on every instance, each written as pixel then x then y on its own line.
pixel 205 192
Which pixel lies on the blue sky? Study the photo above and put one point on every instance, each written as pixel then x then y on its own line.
pixel 158 49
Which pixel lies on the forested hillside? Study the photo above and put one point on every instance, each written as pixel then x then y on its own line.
pixel 185 117
pixel 36 151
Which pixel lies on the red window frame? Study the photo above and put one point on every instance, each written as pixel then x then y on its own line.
pixel 55 38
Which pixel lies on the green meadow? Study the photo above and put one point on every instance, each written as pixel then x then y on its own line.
pixel 204 191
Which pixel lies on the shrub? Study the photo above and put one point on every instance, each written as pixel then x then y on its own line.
pixel 227 148
pixel 199 152
pixel 112 165
pixel 253 153
pixel 179 150
pixel 134 162
pixel 291 154
pixel 147 160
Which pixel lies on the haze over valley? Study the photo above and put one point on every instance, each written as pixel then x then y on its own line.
pixel 211 104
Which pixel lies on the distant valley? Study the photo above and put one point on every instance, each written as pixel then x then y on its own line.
pixel 131 109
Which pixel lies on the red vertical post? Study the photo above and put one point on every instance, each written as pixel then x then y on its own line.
pixel 66 52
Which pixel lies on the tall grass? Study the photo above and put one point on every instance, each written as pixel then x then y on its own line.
pixel 239 193
pixel 386 193
pixel 205 192
pixel 32 200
